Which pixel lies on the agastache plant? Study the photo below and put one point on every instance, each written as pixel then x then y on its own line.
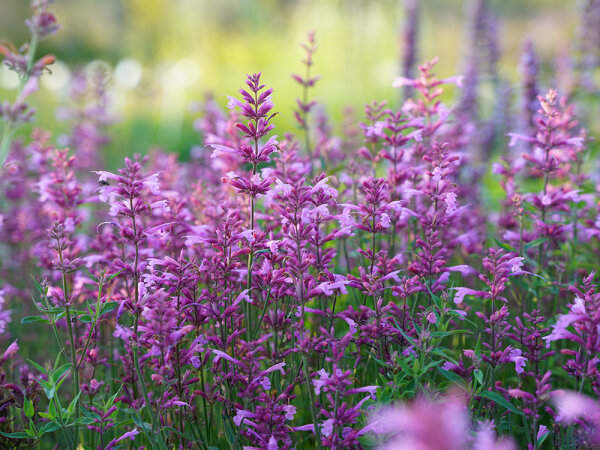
pixel 553 148
pixel 307 81
pixel 367 283
pixel 256 108
pixel 579 326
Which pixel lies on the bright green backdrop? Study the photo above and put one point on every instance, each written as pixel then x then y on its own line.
pixel 187 48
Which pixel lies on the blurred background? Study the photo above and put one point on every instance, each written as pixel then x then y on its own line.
pixel 162 55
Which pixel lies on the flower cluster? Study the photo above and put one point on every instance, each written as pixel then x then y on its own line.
pixel 355 287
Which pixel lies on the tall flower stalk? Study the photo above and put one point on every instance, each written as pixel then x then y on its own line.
pixel 41 25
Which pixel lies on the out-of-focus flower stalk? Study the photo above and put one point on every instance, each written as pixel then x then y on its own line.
pixel 305 106
pixel 41 25
pixel 410 37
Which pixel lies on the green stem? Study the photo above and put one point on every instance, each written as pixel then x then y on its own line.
pixel 546 179
pixel 140 375
pixel 262 314
pixel 52 320
pixel 71 340
pixel 62 422
pixel 311 399
pixel 74 362
pixel 179 382
pixel 305 120
pixel 136 358
pixel 206 426
pixel 250 262
pixel 93 325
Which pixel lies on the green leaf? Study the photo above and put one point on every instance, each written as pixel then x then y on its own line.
pixel 451 376
pixel 46 416
pixel 229 434
pixel 504 245
pixel 380 362
pixel 462 318
pixel 38 286
pixel 436 300
pixel 58 373
pixel 108 307
pixel 86 318
pixel 176 431
pixel 50 427
pixel 114 397
pixel 535 243
pixel 52 409
pixel 49 391
pixel 440 352
pixel 417 327
pixel 34 319
pixel 45 383
pixel 478 346
pixel 17 435
pixel 406 336
pixel 143 425
pixel 91 414
pixel 71 407
pixel 82 421
pixel 478 376
pixel 90 276
pixel 498 399
pixel 38 305
pixel 28 408
pixel 37 366
pixel 57 360
pixel 430 365
pixel 441 334
pixel 124 423
pixel 60 382
pixel 404 363
pixel 114 275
